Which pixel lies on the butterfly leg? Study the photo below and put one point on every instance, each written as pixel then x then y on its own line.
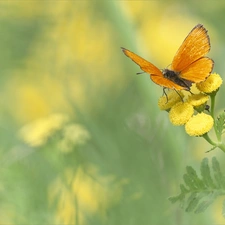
pixel 179 95
pixel 164 93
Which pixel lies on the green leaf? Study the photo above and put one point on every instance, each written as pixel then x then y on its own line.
pixel 181 196
pixel 196 182
pixel 174 199
pixel 205 172
pixel 183 189
pixel 220 123
pixel 197 194
pixel 203 206
pixel 192 202
pixel 188 181
pixel 219 178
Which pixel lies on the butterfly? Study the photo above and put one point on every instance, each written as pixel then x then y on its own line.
pixel 189 65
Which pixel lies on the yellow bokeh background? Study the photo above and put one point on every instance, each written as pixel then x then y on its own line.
pixel 83 140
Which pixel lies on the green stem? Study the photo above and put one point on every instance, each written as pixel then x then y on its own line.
pixel 207 138
pixel 219 145
pixel 212 96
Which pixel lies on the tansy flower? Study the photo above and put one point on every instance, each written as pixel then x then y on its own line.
pixel 169 100
pixel 212 83
pixel 199 124
pixel 73 135
pixel 181 113
pixel 37 133
pixel 194 89
pixel 198 99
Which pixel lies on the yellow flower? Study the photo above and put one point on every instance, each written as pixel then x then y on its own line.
pixel 181 113
pixel 199 124
pixel 198 99
pixel 37 133
pixel 212 83
pixel 73 135
pixel 194 89
pixel 80 192
pixel 167 101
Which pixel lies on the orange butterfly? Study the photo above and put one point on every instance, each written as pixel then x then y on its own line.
pixel 189 65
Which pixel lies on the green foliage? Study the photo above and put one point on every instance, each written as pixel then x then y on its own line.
pixel 220 124
pixel 219 127
pixel 199 193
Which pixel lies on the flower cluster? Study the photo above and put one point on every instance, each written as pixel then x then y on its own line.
pixel 191 109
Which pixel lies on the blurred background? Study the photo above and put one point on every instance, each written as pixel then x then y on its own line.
pixel 82 138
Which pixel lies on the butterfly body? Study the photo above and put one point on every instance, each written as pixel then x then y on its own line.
pixel 189 65
pixel 174 77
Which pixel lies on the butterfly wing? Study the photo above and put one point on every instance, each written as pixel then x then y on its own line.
pixel 144 64
pixel 198 71
pixel 156 75
pixel 195 46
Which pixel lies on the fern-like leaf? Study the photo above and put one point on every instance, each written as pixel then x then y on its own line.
pixel 219 177
pixel 197 194
pixel 220 123
pixel 205 172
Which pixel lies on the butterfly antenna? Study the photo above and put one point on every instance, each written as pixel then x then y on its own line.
pixel 140 73
pixel 168 65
